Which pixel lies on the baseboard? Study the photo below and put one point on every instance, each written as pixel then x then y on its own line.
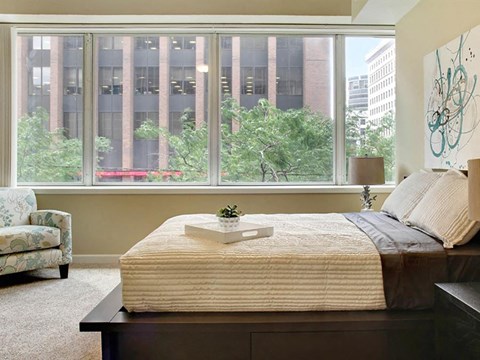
pixel 96 259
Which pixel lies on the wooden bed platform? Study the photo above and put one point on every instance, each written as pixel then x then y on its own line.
pixel 369 335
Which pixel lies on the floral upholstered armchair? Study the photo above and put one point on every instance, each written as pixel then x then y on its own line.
pixel 31 239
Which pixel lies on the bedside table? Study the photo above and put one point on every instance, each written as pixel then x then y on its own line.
pixel 457 320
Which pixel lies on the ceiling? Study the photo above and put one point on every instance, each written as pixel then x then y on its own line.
pixel 382 12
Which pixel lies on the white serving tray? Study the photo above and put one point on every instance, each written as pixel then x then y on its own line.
pixel 213 231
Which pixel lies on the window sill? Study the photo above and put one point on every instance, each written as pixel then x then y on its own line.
pixel 206 190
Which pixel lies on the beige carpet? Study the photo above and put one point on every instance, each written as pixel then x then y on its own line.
pixel 40 313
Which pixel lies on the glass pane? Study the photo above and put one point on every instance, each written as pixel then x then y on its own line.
pixel 277 109
pixel 152 109
pixel 370 107
pixel 49 108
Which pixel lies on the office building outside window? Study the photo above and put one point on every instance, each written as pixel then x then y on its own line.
pixel 151 116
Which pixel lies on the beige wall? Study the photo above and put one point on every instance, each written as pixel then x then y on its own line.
pixel 178 7
pixel 431 24
pixel 111 224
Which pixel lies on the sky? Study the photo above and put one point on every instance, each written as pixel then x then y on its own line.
pixel 356 48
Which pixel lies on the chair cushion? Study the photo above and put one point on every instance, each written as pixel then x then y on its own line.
pixel 15 239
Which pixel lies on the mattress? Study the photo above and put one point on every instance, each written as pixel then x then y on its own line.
pixel 313 262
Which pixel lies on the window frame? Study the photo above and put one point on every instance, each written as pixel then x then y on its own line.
pixel 214 34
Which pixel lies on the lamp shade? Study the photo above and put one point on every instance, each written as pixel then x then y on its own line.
pixel 474 189
pixel 366 171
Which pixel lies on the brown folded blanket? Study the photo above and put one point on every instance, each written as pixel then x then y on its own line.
pixel 412 261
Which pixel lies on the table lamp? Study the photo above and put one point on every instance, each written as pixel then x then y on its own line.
pixel 366 171
pixel 474 189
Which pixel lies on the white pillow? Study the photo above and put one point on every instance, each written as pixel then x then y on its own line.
pixel 443 211
pixel 403 199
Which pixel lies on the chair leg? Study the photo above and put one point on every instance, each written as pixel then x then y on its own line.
pixel 63 271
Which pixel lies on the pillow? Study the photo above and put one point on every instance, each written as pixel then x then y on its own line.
pixel 403 199
pixel 443 211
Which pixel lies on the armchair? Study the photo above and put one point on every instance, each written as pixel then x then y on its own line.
pixel 30 238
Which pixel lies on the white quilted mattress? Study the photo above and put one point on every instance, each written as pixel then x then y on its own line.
pixel 313 262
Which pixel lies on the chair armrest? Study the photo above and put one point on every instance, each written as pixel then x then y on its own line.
pixel 61 220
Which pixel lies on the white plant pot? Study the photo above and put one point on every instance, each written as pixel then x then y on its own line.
pixel 229 223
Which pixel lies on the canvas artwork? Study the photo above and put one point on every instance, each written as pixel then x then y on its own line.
pixel 452 100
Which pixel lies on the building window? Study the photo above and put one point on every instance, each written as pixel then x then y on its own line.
pixel 73 124
pixel 110 43
pixel 73 81
pixel 226 80
pixel 145 151
pixel 39 81
pixel 254 80
pixel 182 43
pixel 182 80
pixel 181 120
pixel 289 81
pixel 226 42
pixel 147 43
pixel 41 42
pixel 147 80
pixel 110 80
pixel 73 43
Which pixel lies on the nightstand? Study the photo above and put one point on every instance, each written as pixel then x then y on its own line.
pixel 457 320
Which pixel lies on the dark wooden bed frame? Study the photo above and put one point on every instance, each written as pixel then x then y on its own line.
pixel 388 334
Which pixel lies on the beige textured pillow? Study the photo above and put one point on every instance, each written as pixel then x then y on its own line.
pixel 443 211
pixel 403 199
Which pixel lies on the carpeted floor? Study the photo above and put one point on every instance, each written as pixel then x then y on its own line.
pixel 40 313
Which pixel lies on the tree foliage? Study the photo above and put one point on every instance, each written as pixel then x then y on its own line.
pixel 272 145
pixel 266 144
pixel 49 156
pixel 371 139
pixel 261 144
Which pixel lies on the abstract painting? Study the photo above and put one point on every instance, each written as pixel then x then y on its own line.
pixel 452 95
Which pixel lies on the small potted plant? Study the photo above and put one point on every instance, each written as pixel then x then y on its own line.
pixel 229 216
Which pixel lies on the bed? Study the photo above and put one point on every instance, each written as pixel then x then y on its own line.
pixel 285 297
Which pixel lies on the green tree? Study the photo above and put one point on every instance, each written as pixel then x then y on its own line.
pixel 270 145
pixel 49 156
pixel 374 140
pixel 188 158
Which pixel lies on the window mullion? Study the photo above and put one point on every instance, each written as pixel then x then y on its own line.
pixel 214 121
pixel 89 110
pixel 340 101
pixel 7 127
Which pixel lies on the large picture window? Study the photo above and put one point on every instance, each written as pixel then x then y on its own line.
pixel 149 118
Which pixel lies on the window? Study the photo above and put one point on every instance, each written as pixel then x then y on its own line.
pixel 148 114
pixel 39 83
pixel 73 124
pixel 110 43
pixel 145 151
pixel 110 80
pixel 147 80
pixel 274 132
pixel 41 42
pixel 226 80
pixel 370 115
pixel 182 80
pixel 146 43
pixel 72 81
pixel 289 81
pixel 254 80
pixel 183 43
pixel 49 124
